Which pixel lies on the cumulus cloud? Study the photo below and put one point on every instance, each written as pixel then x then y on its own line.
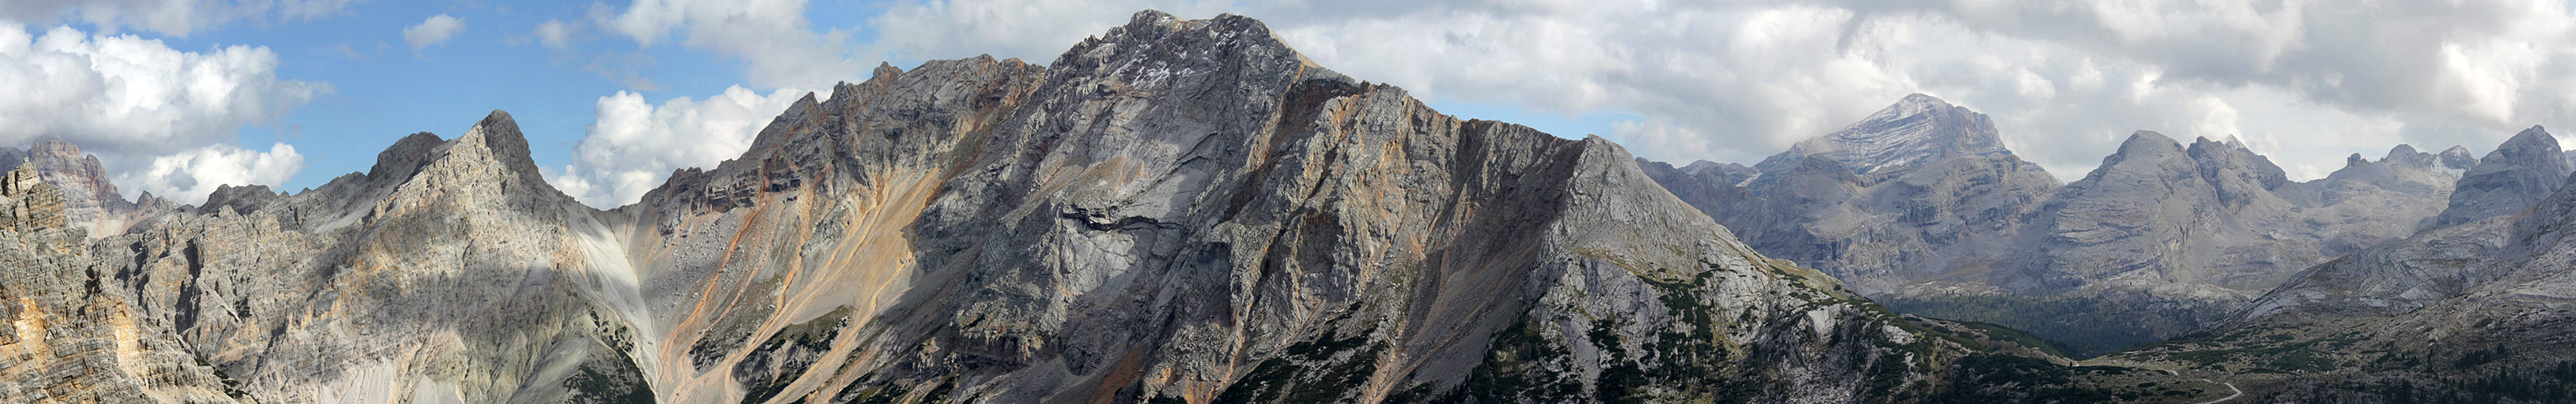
pixel 771 37
pixel 2066 81
pixel 634 144
pixel 170 17
pixel 432 31
pixel 189 176
pixel 133 100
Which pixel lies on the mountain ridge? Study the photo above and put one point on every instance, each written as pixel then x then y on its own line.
pixel 1175 210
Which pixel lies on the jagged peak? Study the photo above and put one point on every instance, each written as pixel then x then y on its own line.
pixel 499 136
pixel 1150 28
pixel 2457 158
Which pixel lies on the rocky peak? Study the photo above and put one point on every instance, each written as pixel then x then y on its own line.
pixel 2524 169
pixel 2458 158
pixel 2405 156
pixel 2222 161
pixel 405 156
pixel 498 136
pixel 1918 129
pixel 2145 145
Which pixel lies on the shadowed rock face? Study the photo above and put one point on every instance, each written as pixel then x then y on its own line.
pixel 1174 210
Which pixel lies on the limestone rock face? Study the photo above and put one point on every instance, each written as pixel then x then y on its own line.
pixel 28 203
pixel 66 339
pixel 90 201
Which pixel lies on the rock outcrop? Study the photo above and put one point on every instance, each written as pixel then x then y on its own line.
pixel 1176 210
pixel 28 203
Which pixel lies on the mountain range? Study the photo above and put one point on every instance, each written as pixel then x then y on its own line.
pixel 1921 207
pixel 1189 211
pixel 1174 211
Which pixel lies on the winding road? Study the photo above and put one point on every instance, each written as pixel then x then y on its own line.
pixel 2230 387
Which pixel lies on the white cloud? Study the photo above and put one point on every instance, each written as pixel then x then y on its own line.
pixel 171 17
pixel 133 100
pixel 188 177
pixel 633 144
pixel 771 37
pixel 2065 81
pixel 436 29
pixel 554 34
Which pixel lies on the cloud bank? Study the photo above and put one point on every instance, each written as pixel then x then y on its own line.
pixel 2307 82
pixel 134 100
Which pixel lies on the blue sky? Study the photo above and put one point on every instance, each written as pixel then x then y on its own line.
pixel 291 93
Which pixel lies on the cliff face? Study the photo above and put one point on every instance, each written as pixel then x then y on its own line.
pixel 67 339
pixel 1176 210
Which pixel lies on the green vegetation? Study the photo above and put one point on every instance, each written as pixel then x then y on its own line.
pixel 2085 327
pixel 2001 333
pixel 1315 371
pixel 1988 378
pixel 608 379
pixel 1517 369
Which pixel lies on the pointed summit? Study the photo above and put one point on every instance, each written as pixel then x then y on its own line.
pixel 1917 129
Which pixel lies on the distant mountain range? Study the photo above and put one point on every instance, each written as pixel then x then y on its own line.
pixel 1922 207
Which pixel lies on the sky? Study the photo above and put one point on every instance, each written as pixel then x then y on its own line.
pixel 180 96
